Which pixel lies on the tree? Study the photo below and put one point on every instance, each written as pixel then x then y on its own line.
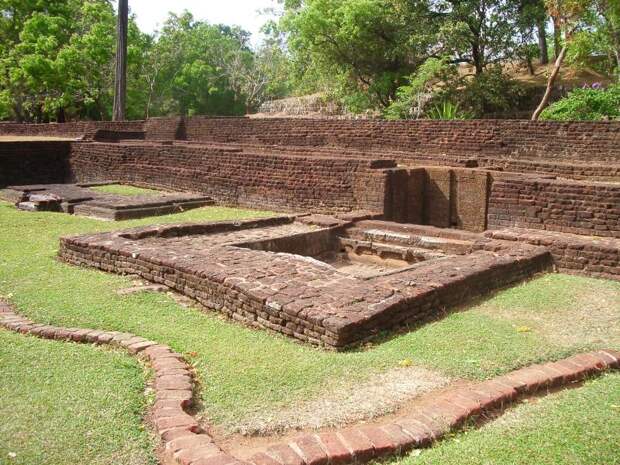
pixel 364 49
pixel 57 59
pixel 600 37
pixel 479 32
pixel 120 86
pixel 186 69
pixel 566 14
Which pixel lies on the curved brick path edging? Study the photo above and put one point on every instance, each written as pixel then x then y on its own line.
pixel 186 443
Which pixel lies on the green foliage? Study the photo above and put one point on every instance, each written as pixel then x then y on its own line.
pixel 57 57
pixel 447 111
pixel 597 43
pixel 589 104
pixel 490 92
pixel 364 49
pixel 479 32
pixel 412 98
pixel 57 60
pixel 375 56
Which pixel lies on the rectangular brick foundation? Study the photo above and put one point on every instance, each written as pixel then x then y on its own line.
pixel 253 272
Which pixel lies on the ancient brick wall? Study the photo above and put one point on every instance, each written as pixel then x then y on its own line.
pixel 74 129
pixel 33 162
pixel 572 253
pixel 237 178
pixel 165 129
pixel 577 141
pixel 439 196
pixel 555 205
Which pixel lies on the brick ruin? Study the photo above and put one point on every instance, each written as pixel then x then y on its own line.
pixel 82 200
pixel 393 221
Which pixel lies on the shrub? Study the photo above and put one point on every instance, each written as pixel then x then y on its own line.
pixel 586 104
pixel 490 92
pixel 412 98
pixel 447 111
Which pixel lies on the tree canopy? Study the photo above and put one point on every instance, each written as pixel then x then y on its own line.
pixel 399 58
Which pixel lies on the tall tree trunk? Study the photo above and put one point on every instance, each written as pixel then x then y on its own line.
pixel 478 57
pixel 550 82
pixel 542 42
pixel 557 39
pixel 61 116
pixel 120 87
pixel 530 65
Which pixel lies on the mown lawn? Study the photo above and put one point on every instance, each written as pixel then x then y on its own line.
pixel 574 427
pixel 247 373
pixel 70 404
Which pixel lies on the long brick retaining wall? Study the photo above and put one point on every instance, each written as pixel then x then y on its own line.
pixel 584 142
pixel 235 177
pixel 34 162
pixel 574 141
pixel 185 442
pixel 75 129
pixel 555 205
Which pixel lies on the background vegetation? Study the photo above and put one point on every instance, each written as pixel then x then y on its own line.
pixel 392 58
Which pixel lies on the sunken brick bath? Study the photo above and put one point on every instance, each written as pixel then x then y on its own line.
pixel 319 279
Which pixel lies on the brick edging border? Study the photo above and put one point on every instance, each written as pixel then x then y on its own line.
pixel 186 443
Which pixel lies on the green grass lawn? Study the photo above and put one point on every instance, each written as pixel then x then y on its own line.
pixel 574 427
pixel 124 189
pixel 67 403
pixel 247 372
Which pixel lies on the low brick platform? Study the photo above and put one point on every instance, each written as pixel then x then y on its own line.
pixel 320 280
pixel 79 199
pixel 587 256
pixel 184 442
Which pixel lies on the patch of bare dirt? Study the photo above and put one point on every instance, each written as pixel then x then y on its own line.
pixel 345 403
pixel 592 319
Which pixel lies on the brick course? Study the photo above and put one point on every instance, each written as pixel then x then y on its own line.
pixel 74 129
pixel 236 177
pixel 574 141
pixel 582 255
pixel 555 205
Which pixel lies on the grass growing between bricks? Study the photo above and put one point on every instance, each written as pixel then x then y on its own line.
pixel 64 403
pixel 251 374
pixel 123 189
pixel 573 427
